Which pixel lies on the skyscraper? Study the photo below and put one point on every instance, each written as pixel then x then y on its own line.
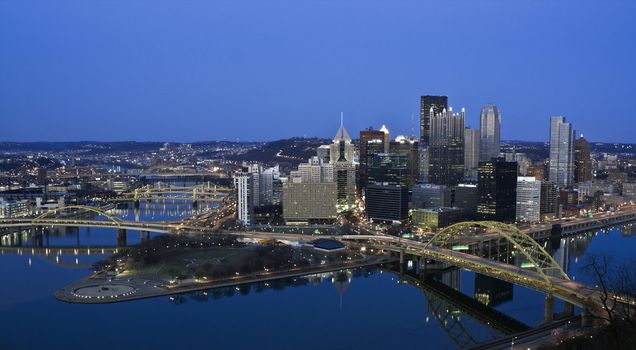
pixel 446 148
pixel 528 199
pixel 497 188
pixel 408 146
pixel 471 153
pixel 429 107
pixel 561 152
pixel 341 147
pixel 582 160
pixel 490 127
pixel 371 143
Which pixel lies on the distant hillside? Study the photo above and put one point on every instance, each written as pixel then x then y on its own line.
pixel 292 151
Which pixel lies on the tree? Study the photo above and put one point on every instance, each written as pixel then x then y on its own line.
pixel 615 284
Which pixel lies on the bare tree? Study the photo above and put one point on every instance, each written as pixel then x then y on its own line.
pixel 617 287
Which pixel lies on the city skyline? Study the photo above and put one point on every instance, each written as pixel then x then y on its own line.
pixel 212 77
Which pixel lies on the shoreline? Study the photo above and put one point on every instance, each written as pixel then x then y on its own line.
pixel 137 288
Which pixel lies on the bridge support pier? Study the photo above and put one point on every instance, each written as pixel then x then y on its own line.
pixel 549 308
pixel 144 235
pixel 121 237
pixel 137 204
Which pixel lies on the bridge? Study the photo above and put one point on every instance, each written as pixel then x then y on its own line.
pixel 538 270
pixel 191 193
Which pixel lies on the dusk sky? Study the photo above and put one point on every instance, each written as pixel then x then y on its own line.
pixel 270 69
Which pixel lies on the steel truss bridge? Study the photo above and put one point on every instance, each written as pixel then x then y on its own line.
pixel 191 193
pixel 542 273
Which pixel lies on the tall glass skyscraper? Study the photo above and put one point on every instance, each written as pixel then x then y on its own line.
pixel 490 126
pixel 446 149
pixel 561 152
pixel 429 107
pixel 471 153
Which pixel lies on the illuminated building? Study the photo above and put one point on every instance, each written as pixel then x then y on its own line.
pixel 497 188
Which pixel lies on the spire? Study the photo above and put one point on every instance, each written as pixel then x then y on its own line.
pixel 342 134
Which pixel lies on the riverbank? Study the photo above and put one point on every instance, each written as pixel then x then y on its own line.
pixel 99 290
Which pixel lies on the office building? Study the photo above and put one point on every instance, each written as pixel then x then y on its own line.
pixel 408 146
pixel 309 202
pixel 431 196
pixel 490 129
pixel 528 199
pixel 436 218
pixel 582 160
pixel 429 107
pixel 466 197
pixel 390 168
pixel 549 194
pixel 497 188
pixel 387 202
pixel 471 153
pixel 15 209
pixel 446 148
pixel 341 149
pixel 561 170
pixel 371 143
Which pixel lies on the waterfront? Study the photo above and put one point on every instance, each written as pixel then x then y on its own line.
pixel 368 308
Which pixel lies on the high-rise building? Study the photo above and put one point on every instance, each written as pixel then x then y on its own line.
pixel 371 143
pixel 467 198
pixel 549 196
pixel 561 152
pixel 408 146
pixel 490 128
pixel 497 187
pixel 431 196
pixel 344 174
pixel 528 199
pixel 341 148
pixel 471 153
pixel 255 188
pixel 446 148
pixel 389 167
pixel 245 189
pixel 429 107
pixel 582 160
pixel 387 202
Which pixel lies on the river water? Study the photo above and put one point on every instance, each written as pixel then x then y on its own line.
pixel 365 308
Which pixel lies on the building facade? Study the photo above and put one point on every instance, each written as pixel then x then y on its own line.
pixel 490 129
pixel 446 148
pixel 387 202
pixel 429 107
pixel 497 188
pixel 528 199
pixel 561 170
pixel 582 160
pixel 471 153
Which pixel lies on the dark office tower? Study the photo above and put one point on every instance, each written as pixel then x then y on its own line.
pixel 427 103
pixel 371 143
pixel 548 201
pixel 408 146
pixel 582 160
pixel 446 148
pixel 467 198
pixel 387 202
pixel 390 168
pixel 42 176
pixel 497 188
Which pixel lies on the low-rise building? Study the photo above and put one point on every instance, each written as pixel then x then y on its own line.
pixel 436 218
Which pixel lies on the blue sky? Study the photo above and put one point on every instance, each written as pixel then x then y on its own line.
pixel 260 70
